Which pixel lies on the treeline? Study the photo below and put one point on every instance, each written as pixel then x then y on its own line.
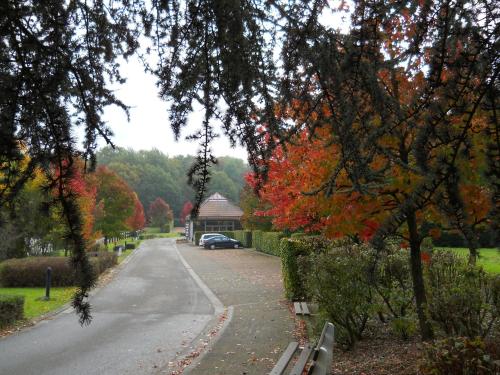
pixel 33 223
pixel 152 174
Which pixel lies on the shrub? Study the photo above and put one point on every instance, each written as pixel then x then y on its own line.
pixel 462 299
pixel 458 355
pixel 165 228
pixel 31 272
pixel 405 327
pixel 130 246
pixel 103 261
pixel 244 236
pixel 270 242
pixel 257 239
pixel 338 282
pixel 298 235
pixel 393 285
pixel 148 236
pixel 294 263
pixel 11 309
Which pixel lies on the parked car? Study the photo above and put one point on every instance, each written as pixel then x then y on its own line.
pixel 221 241
pixel 206 236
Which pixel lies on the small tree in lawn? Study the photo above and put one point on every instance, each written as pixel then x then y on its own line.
pixel 115 203
pixel 138 219
pixel 160 215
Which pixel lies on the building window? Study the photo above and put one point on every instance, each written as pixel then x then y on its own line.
pixel 218 225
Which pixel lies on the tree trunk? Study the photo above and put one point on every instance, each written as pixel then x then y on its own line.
pixel 418 279
pixel 472 255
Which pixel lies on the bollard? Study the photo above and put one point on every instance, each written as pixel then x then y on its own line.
pixel 48 279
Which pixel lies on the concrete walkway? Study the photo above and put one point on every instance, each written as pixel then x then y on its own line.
pixel 145 318
pixel 260 328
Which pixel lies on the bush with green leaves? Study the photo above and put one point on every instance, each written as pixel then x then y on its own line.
pixel 270 242
pixel 295 264
pixel 32 271
pixel 459 355
pixel 103 260
pixel 462 299
pixel 392 284
pixel 257 239
pixel 338 282
pixel 11 309
pixel 244 236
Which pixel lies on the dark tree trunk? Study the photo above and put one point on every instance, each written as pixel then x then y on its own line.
pixel 418 279
pixel 472 255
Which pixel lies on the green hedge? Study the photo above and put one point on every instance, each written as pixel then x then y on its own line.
pixel 294 253
pixel 257 239
pixel 147 236
pixel 11 309
pixel 31 272
pixel 267 242
pixel 244 236
pixel 197 235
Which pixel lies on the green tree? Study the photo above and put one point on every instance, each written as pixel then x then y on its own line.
pixel 115 203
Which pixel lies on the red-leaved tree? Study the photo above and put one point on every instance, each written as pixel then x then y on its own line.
pixel 186 210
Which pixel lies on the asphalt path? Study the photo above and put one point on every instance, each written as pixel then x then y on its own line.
pixel 151 311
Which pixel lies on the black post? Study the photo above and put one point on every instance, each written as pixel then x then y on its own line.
pixel 48 279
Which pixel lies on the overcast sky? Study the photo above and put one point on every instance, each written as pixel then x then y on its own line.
pixel 149 126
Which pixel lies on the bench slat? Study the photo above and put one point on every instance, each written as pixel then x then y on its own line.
pixel 302 361
pixel 324 357
pixel 284 359
pixel 305 309
pixel 297 308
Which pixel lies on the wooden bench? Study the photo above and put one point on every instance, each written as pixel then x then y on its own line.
pixel 320 356
pixel 301 308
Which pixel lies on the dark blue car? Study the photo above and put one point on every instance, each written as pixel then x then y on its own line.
pixel 222 242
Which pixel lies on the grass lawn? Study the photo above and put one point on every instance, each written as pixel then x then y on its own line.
pixel 489 258
pixel 34 307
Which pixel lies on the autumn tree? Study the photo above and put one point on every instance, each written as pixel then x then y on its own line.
pixel 138 220
pixel 255 208
pixel 186 210
pixel 115 203
pixel 160 215
pixel 242 59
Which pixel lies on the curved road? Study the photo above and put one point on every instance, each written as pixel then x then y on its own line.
pixel 150 312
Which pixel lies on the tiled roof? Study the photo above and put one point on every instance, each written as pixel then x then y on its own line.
pixel 218 206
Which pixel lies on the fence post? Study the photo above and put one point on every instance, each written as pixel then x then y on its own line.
pixel 48 280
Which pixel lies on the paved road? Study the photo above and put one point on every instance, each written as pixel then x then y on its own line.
pixel 151 310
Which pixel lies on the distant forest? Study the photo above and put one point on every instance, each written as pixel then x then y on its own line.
pixel 153 174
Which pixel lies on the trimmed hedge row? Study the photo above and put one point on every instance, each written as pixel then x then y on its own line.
pixel 197 235
pixel 31 272
pixel 11 309
pixel 148 236
pixel 267 242
pixel 244 236
pixel 294 266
